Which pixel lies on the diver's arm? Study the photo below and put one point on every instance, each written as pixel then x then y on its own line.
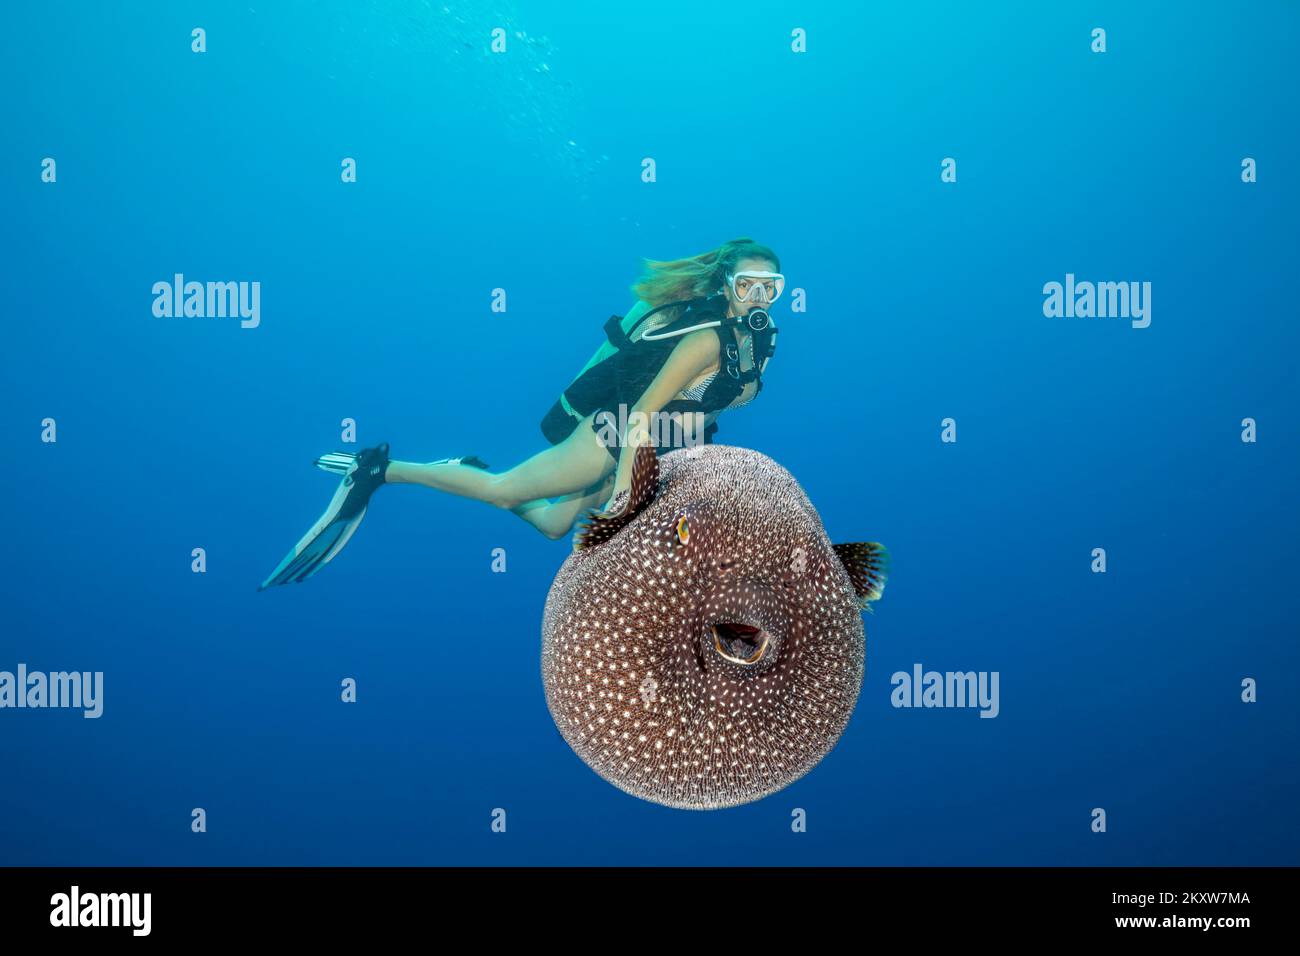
pixel 696 352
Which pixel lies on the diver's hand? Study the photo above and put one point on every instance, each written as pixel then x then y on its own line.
pixel 622 474
pixel 616 503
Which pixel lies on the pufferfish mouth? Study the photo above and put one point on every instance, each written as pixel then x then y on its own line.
pixel 740 643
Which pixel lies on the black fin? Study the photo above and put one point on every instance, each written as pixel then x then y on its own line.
pixel 474 461
pixel 867 563
pixel 601 526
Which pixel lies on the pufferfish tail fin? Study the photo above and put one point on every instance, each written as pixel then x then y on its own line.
pixel 600 526
pixel 867 563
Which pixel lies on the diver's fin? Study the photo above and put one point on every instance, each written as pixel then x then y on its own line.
pixel 867 563
pixel 336 526
pixel 338 462
pixel 319 544
pixel 603 525
pixel 473 461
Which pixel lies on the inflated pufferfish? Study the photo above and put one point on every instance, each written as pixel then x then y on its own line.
pixel 703 646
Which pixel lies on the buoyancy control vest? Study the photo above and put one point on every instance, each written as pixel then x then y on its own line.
pixel 622 375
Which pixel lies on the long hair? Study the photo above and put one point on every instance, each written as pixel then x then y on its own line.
pixel 696 276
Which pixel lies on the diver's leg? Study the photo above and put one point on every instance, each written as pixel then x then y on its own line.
pixel 555 518
pixel 573 465
pixel 464 480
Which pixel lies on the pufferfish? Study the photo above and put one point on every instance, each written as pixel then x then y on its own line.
pixel 703 645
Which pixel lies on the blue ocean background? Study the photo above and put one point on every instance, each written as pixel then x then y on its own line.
pixel 522 171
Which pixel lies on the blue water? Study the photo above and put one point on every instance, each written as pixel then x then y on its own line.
pixel 523 171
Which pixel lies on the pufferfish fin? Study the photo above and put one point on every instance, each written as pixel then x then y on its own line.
pixel 600 526
pixel 867 563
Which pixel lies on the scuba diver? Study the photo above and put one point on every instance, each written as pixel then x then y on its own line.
pixel 695 344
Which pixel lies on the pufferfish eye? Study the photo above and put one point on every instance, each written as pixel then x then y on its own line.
pixel 683 530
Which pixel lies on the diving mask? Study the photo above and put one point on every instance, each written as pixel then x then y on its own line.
pixel 749 286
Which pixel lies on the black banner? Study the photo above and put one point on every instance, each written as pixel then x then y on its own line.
pixel 335 904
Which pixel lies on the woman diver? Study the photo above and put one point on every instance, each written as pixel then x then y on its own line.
pixel 695 344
